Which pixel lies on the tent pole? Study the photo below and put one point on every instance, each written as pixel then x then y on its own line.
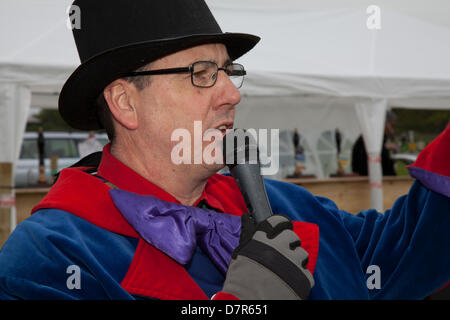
pixel 376 181
pixel 371 114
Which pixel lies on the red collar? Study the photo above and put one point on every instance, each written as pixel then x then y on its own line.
pixel 218 193
pixel 435 157
pixel 87 197
pixel 431 167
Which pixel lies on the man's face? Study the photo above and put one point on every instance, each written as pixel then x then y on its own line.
pixel 171 102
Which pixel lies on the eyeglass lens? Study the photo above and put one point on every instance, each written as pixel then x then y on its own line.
pixel 204 74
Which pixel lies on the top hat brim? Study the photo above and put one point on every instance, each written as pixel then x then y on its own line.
pixel 77 100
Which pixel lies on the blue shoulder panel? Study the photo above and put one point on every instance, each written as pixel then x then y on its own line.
pixel 42 254
pixel 41 257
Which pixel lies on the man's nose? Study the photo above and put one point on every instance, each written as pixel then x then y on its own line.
pixel 228 89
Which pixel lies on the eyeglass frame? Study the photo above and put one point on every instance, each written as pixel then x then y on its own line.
pixel 185 70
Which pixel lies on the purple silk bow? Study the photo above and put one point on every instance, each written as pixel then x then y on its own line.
pixel 176 229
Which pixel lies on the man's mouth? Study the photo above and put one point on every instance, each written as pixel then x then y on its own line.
pixel 224 127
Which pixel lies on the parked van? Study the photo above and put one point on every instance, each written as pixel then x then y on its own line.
pixel 62 144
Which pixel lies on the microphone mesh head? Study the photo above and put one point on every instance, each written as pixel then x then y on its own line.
pixel 240 147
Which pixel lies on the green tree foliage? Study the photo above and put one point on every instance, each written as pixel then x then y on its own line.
pixel 50 120
pixel 422 121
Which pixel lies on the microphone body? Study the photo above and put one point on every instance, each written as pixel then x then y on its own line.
pixel 248 176
pixel 251 183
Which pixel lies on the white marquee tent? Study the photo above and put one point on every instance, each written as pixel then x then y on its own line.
pixel 319 66
pixel 316 68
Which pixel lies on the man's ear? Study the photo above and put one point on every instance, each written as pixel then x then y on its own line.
pixel 119 95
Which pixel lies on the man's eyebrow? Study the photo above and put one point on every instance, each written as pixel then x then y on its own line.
pixel 227 62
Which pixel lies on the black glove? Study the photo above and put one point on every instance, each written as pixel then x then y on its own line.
pixel 269 263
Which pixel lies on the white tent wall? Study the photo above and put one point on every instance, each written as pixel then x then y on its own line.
pixel 22 87
pixel 14 105
pixel 37 54
pixel 325 49
pixel 310 115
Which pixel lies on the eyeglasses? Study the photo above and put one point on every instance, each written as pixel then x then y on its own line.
pixel 203 73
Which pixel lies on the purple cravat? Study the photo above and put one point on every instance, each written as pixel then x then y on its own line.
pixel 176 229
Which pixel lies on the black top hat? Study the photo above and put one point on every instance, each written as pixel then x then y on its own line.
pixel 118 36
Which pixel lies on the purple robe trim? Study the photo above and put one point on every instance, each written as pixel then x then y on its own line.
pixel 436 182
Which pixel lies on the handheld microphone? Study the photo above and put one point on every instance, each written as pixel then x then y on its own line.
pixel 241 155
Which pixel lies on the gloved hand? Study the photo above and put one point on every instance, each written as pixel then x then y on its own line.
pixel 269 263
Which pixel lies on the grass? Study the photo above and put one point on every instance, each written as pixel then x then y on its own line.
pixel 400 168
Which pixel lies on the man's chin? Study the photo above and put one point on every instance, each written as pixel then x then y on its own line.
pixel 215 166
pixel 211 169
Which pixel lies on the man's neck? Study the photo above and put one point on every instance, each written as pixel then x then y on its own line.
pixel 174 179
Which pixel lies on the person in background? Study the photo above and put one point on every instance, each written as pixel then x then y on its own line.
pixel 41 153
pixel 338 138
pixel 296 140
pixel 41 145
pixel 359 153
